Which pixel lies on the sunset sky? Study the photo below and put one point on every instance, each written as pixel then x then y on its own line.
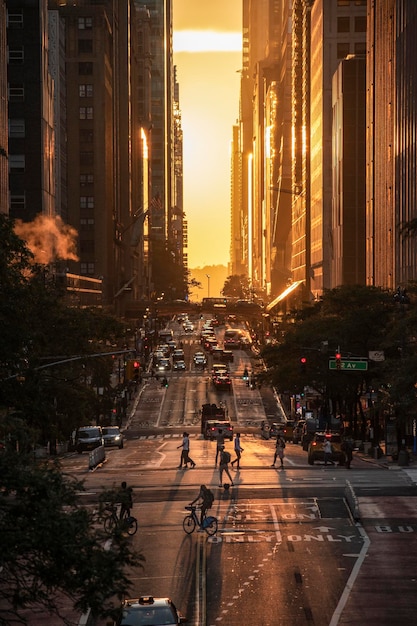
pixel 207 53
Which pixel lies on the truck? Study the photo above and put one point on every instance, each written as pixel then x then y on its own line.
pixel 211 412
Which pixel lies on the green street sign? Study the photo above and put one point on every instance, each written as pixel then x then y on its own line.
pixel 349 366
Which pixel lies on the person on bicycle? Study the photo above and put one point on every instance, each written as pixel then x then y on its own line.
pixel 125 499
pixel 205 500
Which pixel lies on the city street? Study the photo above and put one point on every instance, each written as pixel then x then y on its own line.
pixel 289 549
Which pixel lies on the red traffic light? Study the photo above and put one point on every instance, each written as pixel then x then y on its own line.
pixel 136 364
pixel 303 360
pixel 338 356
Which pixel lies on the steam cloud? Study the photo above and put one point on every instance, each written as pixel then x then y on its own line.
pixel 48 238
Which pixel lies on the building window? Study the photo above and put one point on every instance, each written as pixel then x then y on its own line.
pixel 86 135
pixel 85 91
pixel 15 18
pixel 86 202
pixel 360 23
pixel 87 223
pixel 342 50
pixel 86 113
pixel 85 23
pixel 360 47
pixel 343 24
pixel 85 46
pixel 16 55
pixel 17 128
pixel 16 93
pixel 85 69
pixel 87 269
pixel 86 157
pixel 17 203
pixel 16 162
pixel 86 179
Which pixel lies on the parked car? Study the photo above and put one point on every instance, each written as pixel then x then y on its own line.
pixel 316 451
pixel 112 437
pixel 88 438
pixel 150 610
pixel 214 427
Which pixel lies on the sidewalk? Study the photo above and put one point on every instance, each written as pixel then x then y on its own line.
pixel 387 461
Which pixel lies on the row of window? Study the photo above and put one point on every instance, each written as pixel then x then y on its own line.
pixel 15 20
pixel 359 24
pixel 16 54
pixel 16 92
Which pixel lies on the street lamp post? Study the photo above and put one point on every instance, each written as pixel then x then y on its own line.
pixel 208 285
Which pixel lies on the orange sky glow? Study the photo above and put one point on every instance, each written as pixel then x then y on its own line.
pixel 207 53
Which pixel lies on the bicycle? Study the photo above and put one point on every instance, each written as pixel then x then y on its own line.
pixel 191 520
pixel 112 523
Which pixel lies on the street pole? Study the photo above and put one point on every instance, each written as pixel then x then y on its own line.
pixel 208 285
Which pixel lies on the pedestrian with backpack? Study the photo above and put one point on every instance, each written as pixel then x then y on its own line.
pixel 224 466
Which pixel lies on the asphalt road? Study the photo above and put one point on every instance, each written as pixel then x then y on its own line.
pixel 287 551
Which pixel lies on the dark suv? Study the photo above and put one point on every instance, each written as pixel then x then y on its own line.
pixel 316 451
pixel 214 428
pixel 88 438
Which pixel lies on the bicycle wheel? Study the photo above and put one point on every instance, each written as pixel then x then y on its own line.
pixel 131 525
pixel 109 524
pixel 188 524
pixel 211 526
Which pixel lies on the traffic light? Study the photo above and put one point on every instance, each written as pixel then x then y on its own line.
pixel 136 370
pixel 303 364
pixel 338 359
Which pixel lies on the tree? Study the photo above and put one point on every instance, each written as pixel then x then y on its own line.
pixel 355 319
pixel 39 328
pixel 51 546
pixel 237 286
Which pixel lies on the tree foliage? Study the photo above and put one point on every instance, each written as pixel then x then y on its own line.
pixel 237 286
pixel 39 328
pixel 52 547
pixel 353 320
